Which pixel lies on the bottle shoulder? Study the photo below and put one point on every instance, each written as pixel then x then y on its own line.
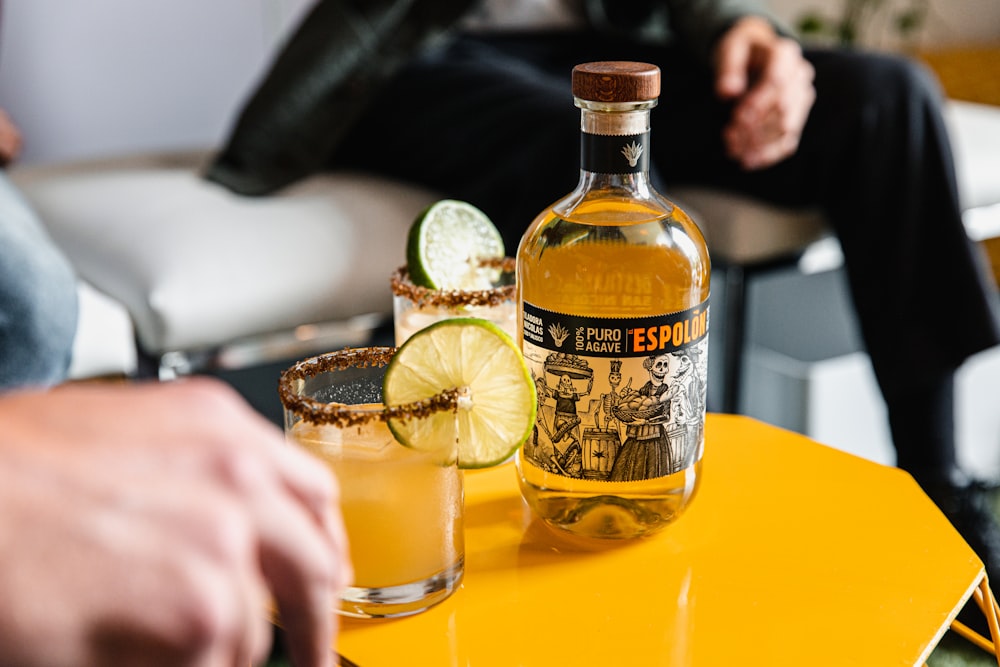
pixel 609 217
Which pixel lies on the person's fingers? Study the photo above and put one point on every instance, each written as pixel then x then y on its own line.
pixel 288 499
pixel 292 501
pixel 767 144
pixel 204 495
pixel 780 74
pixel 305 573
pixel 230 617
pixel 312 483
pixel 777 138
pixel 203 433
pixel 769 127
pixel 210 539
pixel 198 597
pixel 754 122
pixel 789 83
pixel 768 121
pixel 255 642
pixel 307 478
pixel 731 66
pixel 300 484
pixel 769 154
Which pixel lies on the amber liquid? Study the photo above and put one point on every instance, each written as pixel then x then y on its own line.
pixel 603 254
pixel 402 508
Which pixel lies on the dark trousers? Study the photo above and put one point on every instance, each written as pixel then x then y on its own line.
pixel 490 119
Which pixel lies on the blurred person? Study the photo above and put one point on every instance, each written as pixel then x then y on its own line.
pixel 38 298
pixel 473 100
pixel 152 524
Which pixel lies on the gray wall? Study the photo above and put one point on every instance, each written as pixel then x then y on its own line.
pixel 90 78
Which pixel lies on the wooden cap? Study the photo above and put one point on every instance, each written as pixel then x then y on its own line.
pixel 616 81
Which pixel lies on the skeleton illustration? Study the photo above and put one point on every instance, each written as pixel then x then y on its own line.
pixel 564 451
pixel 612 398
pixel 647 451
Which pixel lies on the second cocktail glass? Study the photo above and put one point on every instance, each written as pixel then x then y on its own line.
pixel 416 307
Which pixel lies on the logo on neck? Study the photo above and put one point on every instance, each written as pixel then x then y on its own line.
pixel 632 153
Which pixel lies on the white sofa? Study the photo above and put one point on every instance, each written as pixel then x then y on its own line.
pixel 209 278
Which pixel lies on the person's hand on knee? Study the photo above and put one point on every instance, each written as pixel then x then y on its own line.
pixel 771 86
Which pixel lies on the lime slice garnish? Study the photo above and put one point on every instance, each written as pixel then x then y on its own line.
pixel 496 405
pixel 446 246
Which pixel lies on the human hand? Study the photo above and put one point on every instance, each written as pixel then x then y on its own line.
pixel 10 139
pixel 149 524
pixel 772 87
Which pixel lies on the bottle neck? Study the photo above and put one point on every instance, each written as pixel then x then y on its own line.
pixel 614 146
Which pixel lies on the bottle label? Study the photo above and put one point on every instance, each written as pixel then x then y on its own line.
pixel 610 154
pixel 619 399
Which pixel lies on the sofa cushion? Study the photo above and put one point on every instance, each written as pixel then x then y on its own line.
pixel 198 266
pixel 975 138
pixel 745 231
pixel 104 344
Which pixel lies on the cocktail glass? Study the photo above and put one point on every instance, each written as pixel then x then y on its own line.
pixel 416 307
pixel 403 508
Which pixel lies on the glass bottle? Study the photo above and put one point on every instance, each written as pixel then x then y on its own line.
pixel 613 288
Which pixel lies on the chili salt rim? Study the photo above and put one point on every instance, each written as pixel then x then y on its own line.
pixel 341 414
pixel 422 296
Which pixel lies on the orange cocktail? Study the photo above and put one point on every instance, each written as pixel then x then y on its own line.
pixel 402 507
pixel 416 307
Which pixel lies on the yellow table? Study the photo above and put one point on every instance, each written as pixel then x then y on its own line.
pixel 792 554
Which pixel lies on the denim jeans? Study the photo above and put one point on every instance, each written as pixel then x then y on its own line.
pixel 38 298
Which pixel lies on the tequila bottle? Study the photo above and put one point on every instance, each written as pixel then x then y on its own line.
pixel 613 288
